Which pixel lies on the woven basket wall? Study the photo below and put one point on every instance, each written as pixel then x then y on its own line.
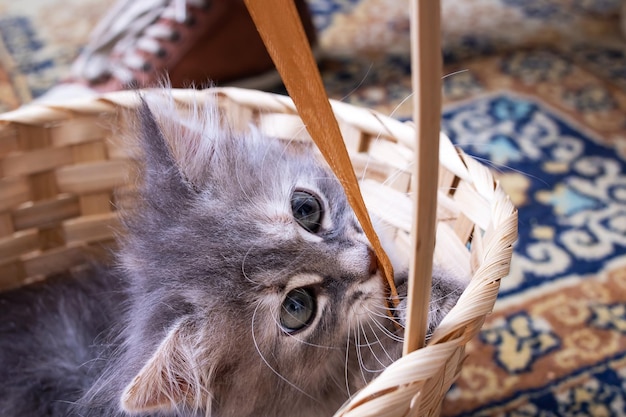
pixel 63 172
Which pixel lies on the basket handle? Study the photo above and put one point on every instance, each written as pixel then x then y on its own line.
pixel 282 32
pixel 426 63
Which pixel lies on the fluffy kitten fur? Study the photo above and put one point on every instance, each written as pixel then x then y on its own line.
pixel 188 323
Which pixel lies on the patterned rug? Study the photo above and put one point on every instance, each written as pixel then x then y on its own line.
pixel 534 88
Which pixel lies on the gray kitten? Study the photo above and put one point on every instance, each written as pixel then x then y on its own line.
pixel 244 287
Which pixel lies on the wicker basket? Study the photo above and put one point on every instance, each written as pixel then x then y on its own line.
pixel 64 173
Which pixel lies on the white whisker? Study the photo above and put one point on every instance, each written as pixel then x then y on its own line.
pixel 369 345
pixel 381 344
pixel 383 329
pixel 243 266
pixel 395 109
pixel 391 178
pixel 359 84
pixel 256 346
pixel 454 73
pixel 346 364
pixel 359 353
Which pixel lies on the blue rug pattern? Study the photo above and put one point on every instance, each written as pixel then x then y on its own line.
pixel 576 189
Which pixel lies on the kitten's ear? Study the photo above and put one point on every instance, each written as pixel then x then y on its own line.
pixel 181 141
pixel 170 377
pixel 162 175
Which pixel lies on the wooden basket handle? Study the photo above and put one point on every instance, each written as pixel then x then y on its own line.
pixel 426 79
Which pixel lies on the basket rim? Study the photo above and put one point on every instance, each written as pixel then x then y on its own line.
pixel 368 120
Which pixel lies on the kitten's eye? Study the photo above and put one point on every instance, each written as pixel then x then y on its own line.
pixel 298 310
pixel 307 210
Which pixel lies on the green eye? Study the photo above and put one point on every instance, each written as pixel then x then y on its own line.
pixel 298 310
pixel 307 210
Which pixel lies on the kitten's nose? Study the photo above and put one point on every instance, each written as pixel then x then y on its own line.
pixel 373 261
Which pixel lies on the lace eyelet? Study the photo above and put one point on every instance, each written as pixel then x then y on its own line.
pixel 146 67
pixel 175 36
pixel 161 53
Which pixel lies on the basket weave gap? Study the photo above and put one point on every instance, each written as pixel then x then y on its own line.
pixel 447 181
pixel 51 237
pixel 43 186
pixel 13 191
pixel 12 274
pixel 6 224
pixel 476 250
pixel 454 185
pixel 88 152
pixel 463 227
pixel 32 137
pixel 8 140
pixel 447 210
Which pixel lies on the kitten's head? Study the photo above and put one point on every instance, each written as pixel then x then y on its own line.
pixel 255 291
pixel 251 276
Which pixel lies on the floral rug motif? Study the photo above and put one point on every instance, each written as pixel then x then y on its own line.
pixel 556 343
pixel 534 88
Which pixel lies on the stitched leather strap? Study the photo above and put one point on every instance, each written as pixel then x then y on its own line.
pixel 282 32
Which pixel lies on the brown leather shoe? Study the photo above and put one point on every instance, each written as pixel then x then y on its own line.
pixel 194 42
